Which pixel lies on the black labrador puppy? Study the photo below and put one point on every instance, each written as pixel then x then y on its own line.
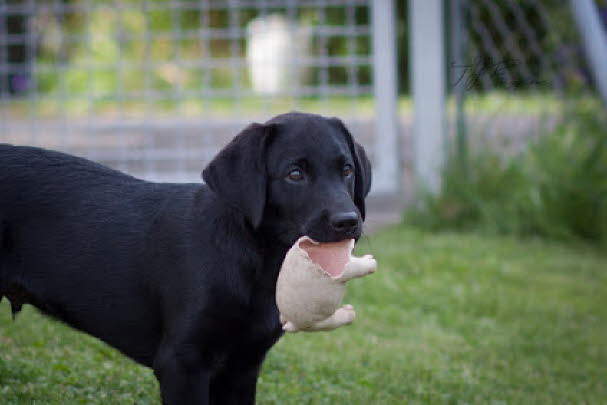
pixel 179 277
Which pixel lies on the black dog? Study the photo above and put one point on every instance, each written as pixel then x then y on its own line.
pixel 179 277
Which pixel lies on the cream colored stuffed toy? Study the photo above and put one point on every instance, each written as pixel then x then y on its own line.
pixel 311 284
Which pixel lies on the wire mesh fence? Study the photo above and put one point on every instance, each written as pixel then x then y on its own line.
pixel 515 67
pixel 155 88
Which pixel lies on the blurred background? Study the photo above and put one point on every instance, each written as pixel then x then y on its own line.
pixel 155 88
pixel 484 120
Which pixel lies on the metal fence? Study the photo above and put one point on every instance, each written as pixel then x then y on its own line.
pixel 515 68
pixel 155 88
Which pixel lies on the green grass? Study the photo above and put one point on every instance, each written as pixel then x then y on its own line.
pixel 554 187
pixel 448 318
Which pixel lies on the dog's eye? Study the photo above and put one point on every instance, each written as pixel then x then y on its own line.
pixel 296 175
pixel 347 171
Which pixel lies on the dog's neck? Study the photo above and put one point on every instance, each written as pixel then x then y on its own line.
pixel 273 252
pixel 264 241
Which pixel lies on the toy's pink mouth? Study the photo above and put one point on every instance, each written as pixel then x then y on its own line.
pixel 332 257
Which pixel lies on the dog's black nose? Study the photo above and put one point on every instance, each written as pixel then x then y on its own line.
pixel 344 221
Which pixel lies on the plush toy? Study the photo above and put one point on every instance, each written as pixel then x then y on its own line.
pixel 311 284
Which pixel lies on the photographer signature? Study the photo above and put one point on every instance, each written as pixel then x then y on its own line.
pixel 495 70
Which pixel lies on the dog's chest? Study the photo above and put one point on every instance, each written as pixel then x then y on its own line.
pixel 262 320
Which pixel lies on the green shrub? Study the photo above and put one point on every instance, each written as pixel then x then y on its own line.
pixel 556 187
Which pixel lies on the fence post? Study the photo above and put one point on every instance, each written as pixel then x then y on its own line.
pixel 428 84
pixel 386 159
pixel 458 54
pixel 594 37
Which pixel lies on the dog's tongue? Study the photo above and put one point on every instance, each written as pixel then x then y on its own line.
pixel 332 257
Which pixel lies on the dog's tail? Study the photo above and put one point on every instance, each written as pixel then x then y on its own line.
pixel 5 246
pixel 2 254
pixel 3 269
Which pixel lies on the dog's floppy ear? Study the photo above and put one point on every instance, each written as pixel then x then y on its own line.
pixel 362 168
pixel 238 172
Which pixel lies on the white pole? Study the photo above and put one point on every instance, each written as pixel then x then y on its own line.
pixel 386 165
pixel 426 50
pixel 595 41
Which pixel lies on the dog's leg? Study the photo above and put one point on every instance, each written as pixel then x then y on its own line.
pixel 236 382
pixel 182 374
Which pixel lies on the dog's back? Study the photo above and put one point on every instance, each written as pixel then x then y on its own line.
pixel 72 235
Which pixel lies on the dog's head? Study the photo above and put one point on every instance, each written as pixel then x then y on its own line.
pixel 298 174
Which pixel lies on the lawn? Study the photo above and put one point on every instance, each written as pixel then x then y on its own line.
pixel 448 318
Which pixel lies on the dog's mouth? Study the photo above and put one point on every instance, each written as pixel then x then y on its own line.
pixel 332 257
